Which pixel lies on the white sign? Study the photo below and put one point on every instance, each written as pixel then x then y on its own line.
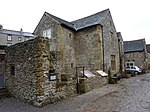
pixel 53 77
pixel 101 73
pixel 88 73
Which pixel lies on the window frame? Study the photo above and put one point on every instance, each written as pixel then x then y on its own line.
pixel 47 33
pixel 9 37
pixel 19 38
pixel 113 62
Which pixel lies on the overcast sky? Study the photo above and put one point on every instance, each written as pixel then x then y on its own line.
pixel 131 17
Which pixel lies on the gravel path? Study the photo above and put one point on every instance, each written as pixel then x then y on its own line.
pixel 129 95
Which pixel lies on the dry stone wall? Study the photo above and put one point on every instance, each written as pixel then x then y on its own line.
pixel 27 73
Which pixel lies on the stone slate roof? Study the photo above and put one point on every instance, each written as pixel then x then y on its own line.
pixel 90 20
pixel 148 48
pixel 84 22
pixel 71 25
pixel 134 46
pixel 19 33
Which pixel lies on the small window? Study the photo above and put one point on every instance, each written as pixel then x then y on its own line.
pixel 19 38
pixel 71 65
pixel 12 71
pixel 131 64
pixel 70 35
pixel 44 33
pixel 9 44
pixel 9 38
pixel 27 38
pixel 47 33
pixel 52 75
pixel 113 62
pixel 112 38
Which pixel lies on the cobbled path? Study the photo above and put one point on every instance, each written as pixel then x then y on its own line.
pixel 129 95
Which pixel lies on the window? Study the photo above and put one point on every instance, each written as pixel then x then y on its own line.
pixel 9 44
pixel 12 70
pixel 71 65
pixel 9 38
pixel 113 62
pixel 52 75
pixel 27 38
pixel 112 38
pixel 47 33
pixel 70 35
pixel 19 39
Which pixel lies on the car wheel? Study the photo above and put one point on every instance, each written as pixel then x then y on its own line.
pixel 136 73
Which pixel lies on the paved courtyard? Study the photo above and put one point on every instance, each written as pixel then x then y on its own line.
pixel 129 95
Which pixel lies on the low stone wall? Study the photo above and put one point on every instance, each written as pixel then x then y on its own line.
pixel 88 84
pixel 27 73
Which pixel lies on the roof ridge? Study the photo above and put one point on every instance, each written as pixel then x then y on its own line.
pixel 135 40
pixel 15 31
pixel 91 15
pixel 59 19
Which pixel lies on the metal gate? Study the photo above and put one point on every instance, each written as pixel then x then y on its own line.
pixel 1 75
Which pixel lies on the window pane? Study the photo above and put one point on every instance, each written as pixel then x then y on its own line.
pixel 9 37
pixel 9 44
pixel 49 33
pixel 44 33
pixel 19 39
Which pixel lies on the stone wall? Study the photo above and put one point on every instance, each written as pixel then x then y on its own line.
pixel 89 52
pixel 27 73
pixel 88 84
pixel 62 42
pixel 110 42
pixel 138 58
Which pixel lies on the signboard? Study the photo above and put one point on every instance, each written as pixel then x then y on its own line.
pixel 88 73
pixel 53 77
pixel 101 73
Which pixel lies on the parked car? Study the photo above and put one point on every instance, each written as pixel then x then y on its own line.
pixel 133 70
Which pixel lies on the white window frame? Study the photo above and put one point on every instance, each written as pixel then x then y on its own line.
pixel 27 38
pixel 9 44
pixel 47 33
pixel 9 37
pixel 44 33
pixel 19 38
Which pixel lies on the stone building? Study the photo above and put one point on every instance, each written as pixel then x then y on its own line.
pixel 135 53
pixel 10 37
pixel 44 70
pixel 7 38
pixel 30 75
pixel 148 55
pixel 90 42
pixel 121 51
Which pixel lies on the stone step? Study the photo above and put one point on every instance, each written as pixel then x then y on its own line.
pixel 4 93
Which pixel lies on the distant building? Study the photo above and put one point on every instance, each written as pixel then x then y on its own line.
pixel 148 55
pixel 135 53
pixel 10 37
